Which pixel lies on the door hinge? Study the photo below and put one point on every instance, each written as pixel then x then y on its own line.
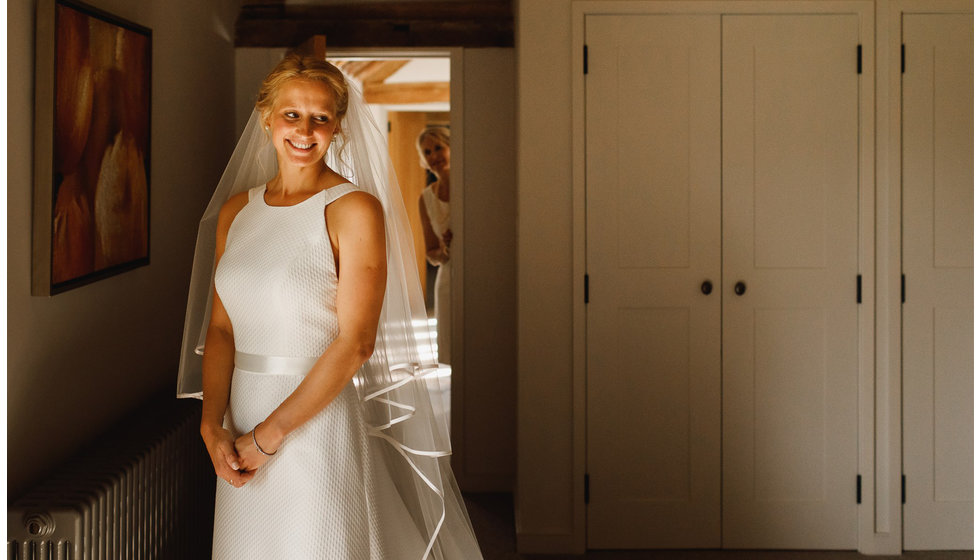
pixel 903 288
pixel 586 288
pixel 859 59
pixel 586 488
pixel 903 58
pixel 859 288
pixel 389 127
pixel 903 489
pixel 859 489
pixel 585 59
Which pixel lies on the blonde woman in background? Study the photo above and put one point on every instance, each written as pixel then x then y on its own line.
pixel 433 146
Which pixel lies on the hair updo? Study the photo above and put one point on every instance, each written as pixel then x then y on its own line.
pixel 297 66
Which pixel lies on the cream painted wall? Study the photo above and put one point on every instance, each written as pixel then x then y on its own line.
pixel 489 375
pixel 80 360
pixel 485 447
pixel 546 515
pixel 251 66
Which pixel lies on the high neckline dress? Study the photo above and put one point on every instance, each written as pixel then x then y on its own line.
pixel 326 494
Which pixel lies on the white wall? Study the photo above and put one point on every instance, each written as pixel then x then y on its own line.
pixel 80 360
pixel 484 384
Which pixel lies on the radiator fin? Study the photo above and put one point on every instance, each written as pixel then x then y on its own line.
pixel 145 491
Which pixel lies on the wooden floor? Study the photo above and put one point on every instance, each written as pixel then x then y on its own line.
pixel 493 520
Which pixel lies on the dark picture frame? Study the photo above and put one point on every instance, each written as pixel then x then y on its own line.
pixel 91 146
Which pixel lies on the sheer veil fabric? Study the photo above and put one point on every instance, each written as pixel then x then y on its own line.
pixel 399 387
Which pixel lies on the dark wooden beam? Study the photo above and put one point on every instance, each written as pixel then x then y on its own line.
pixel 315 46
pixel 272 23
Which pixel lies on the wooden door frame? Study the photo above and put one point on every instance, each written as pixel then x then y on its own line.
pixel 879 431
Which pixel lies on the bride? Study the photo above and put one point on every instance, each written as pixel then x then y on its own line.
pixel 315 384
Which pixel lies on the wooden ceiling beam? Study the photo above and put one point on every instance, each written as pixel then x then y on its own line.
pixel 315 45
pixel 406 9
pixel 380 70
pixel 370 70
pixel 400 94
pixel 272 23
pixel 352 67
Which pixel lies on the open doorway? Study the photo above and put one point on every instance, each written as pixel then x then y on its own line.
pixel 409 94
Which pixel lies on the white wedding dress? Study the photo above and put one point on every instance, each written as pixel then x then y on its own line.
pixel 327 493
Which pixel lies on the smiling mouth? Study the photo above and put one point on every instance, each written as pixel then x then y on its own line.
pixel 300 146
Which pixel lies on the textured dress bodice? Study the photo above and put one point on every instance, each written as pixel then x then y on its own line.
pixel 277 277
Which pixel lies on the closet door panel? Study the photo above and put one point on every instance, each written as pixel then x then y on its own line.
pixel 653 237
pixel 937 260
pixel 790 206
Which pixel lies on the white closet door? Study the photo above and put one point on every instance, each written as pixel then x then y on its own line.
pixel 653 227
pixel 937 260
pixel 790 205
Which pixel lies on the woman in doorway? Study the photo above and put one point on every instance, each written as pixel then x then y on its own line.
pixel 316 409
pixel 433 146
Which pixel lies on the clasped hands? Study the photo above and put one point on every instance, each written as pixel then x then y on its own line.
pixel 237 459
pixel 447 239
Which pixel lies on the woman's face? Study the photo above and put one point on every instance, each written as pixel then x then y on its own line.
pixel 435 154
pixel 303 122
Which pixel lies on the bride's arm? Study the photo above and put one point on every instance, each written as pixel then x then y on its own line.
pixel 356 226
pixel 217 366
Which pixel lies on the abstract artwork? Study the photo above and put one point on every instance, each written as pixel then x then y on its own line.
pixel 92 146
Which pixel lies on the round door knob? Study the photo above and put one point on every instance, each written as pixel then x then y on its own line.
pixel 706 287
pixel 739 288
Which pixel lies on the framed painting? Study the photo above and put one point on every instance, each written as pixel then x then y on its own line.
pixel 91 146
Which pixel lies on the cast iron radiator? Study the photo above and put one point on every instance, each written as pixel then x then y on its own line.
pixel 144 491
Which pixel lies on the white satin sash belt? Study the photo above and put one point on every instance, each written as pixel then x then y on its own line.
pixel 281 365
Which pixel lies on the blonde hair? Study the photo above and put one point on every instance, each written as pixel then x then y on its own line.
pixel 296 66
pixel 438 133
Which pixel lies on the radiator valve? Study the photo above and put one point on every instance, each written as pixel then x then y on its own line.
pixel 39 524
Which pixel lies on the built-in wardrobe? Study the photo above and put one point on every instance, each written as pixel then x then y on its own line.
pixel 937 278
pixel 732 159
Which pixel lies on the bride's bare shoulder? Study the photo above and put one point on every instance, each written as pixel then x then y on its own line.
pixel 358 202
pixel 356 209
pixel 230 209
